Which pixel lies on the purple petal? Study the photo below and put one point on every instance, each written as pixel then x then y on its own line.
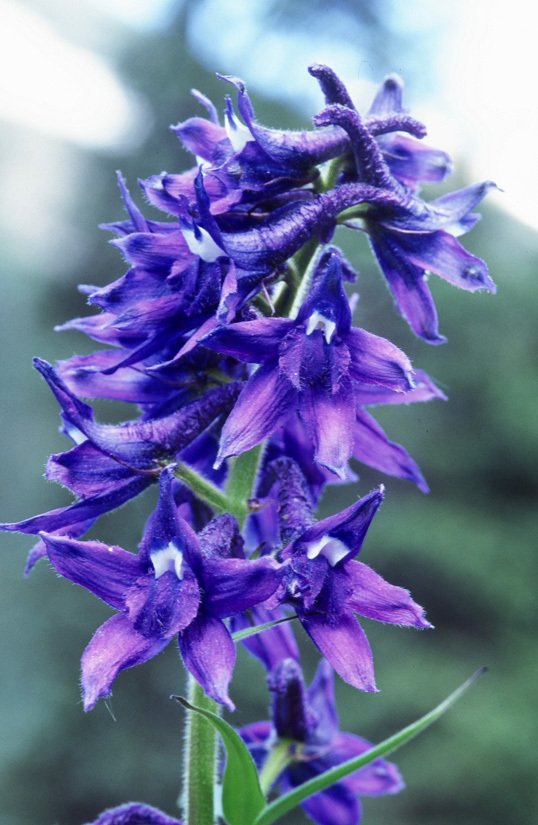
pixel 454 207
pixel 209 654
pixel 234 585
pixel 373 597
pixel 349 526
pixel 159 608
pixel 270 646
pixel 344 644
pixel 372 447
pixel 334 806
pixel 441 253
pixel 86 510
pixel 322 701
pixel 379 777
pixel 115 646
pixel 39 550
pixel 251 341
pixel 164 526
pixel 256 733
pixel 154 252
pixel 201 137
pixel 86 471
pixel 134 813
pixel 388 98
pixel 330 421
pixel 264 404
pixel 82 375
pixel 410 161
pixel 106 571
pixel 424 390
pixel 374 360
pixel 411 293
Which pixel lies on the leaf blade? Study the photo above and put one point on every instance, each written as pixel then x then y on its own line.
pixel 242 798
pixel 290 800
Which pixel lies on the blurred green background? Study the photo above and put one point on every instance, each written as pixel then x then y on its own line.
pixel 467 551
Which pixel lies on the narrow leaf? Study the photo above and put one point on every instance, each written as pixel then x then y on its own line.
pixel 242 799
pixel 294 797
pixel 239 635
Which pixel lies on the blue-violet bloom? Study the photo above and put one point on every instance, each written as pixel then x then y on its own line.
pixel 179 583
pixel 305 723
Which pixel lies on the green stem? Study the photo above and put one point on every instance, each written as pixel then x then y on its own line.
pixel 279 758
pixel 200 759
pixel 203 488
pixel 241 480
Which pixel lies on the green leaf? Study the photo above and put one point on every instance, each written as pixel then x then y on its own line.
pixel 294 797
pixel 242 799
pixel 239 635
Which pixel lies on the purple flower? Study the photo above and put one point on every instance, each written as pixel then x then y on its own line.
pixel 327 587
pixel 408 236
pixel 408 159
pixel 111 464
pixel 178 584
pixel 134 813
pixel 306 723
pixel 310 365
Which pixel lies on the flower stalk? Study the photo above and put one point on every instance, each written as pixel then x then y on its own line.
pixel 199 761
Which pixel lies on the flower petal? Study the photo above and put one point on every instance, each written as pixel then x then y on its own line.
pixel 264 404
pixel 379 777
pixel 344 644
pixel 273 645
pixel 106 571
pixel 372 447
pixel 373 597
pixel 411 293
pixel 234 585
pixel 134 813
pixel 330 421
pixel 209 654
pixel 374 360
pixel 159 608
pixel 115 646
pixel 441 253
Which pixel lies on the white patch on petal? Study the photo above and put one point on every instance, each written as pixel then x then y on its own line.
pixel 168 558
pixel 333 549
pixel 237 132
pixel 319 321
pixel 205 247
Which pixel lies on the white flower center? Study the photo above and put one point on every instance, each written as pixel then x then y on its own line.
pixel 168 558
pixel 319 321
pixel 333 549
pixel 204 246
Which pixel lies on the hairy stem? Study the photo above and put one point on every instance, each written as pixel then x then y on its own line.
pixel 200 758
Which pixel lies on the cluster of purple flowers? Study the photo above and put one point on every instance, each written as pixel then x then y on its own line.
pixel 232 329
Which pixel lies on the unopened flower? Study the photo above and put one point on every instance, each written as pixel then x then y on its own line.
pixel 304 728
